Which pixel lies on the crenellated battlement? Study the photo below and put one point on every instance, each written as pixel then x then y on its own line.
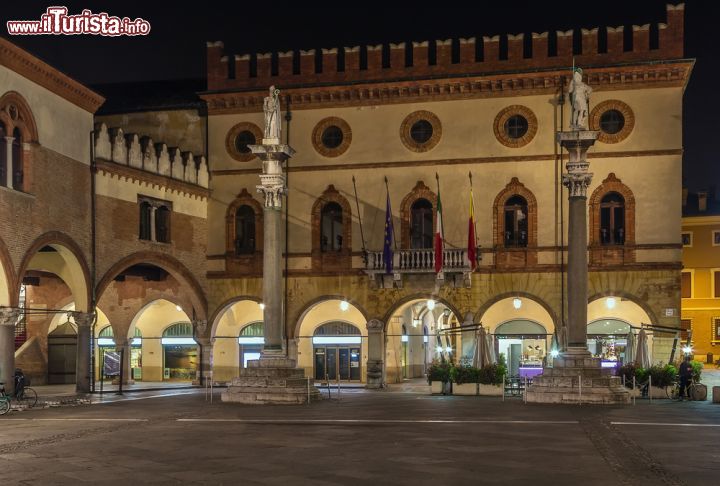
pixel 606 45
pixel 142 153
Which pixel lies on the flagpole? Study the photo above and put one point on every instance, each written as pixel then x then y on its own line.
pixel 362 235
pixel 472 203
pixel 387 188
pixel 437 179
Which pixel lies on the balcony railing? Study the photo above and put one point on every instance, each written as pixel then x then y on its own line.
pixel 418 261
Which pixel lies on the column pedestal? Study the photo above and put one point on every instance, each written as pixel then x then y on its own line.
pixel 577 377
pixel 123 346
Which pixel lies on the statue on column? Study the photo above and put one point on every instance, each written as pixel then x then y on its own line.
pixel 271 107
pixel 579 101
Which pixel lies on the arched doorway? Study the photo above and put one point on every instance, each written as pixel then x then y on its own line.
pixel 331 336
pixel 419 331
pixel 523 330
pixel 106 343
pixel 611 318
pixel 53 278
pixel 237 332
pixel 154 323
pixel 336 352
pixel 180 352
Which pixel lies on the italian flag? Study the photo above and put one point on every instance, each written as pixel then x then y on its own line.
pixel 439 246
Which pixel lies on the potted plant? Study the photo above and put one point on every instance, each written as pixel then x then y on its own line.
pixel 661 376
pixel 465 379
pixel 491 378
pixel 438 374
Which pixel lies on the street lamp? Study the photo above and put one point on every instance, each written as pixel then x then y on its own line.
pixel 517 302
pixel 344 305
pixel 430 304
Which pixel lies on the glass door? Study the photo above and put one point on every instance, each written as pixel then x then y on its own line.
pixel 331 363
pixel 320 364
pixel 355 364
pixel 344 363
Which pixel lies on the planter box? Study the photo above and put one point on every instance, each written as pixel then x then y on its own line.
pixel 465 389
pixel 656 392
pixel 491 390
pixel 440 388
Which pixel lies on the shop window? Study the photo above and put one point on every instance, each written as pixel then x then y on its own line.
pixel 421 224
pixel 516 222
pixel 612 219
pixel 331 232
pixel 716 328
pixel 244 230
pixel 686 289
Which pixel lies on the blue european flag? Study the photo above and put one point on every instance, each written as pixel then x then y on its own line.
pixel 388 242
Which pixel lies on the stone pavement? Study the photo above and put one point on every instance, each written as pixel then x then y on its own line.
pixel 177 437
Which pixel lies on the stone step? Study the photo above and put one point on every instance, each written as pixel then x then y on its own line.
pixel 273 372
pixel 264 381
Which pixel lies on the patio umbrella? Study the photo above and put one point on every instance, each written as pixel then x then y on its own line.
pixel 630 348
pixel 491 348
pixel 642 355
pixel 482 349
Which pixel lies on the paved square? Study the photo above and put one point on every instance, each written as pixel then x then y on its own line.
pixel 366 437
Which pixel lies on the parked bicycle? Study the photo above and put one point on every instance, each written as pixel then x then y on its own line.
pixel 24 395
pixel 695 391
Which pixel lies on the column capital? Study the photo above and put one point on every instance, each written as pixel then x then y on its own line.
pixel 121 342
pixel 200 325
pixel 8 317
pixel 577 183
pixel 83 319
pixel 375 325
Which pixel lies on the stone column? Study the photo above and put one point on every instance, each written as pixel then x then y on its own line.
pixel 8 319
pixel 272 186
pixel 122 345
pixel 375 354
pixel 577 179
pixel 207 358
pixel 9 166
pixel 84 321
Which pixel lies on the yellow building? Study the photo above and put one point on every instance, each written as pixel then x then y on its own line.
pixel 407 112
pixel 701 274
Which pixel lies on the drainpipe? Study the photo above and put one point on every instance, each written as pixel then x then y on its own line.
pixel 93 255
pixel 288 117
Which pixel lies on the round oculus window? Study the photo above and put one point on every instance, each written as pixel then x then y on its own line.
pixel 612 122
pixel 243 140
pixel 421 131
pixel 332 137
pixel 516 126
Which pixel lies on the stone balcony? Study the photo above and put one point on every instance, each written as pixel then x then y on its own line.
pixel 413 262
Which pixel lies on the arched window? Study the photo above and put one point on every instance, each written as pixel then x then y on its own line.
pixel 331 228
pixel 145 221
pixel 3 156
pixel 612 219
pixel 337 329
pixel 244 230
pixel 179 329
pixel 421 224
pixel 17 160
pixel 162 224
pixel 516 222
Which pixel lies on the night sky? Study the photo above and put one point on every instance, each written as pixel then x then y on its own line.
pixel 175 47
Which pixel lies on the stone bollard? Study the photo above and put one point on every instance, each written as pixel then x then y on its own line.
pixel 716 394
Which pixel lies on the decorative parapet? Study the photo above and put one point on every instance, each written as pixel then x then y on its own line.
pixel 408 262
pixel 382 63
pixel 145 155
